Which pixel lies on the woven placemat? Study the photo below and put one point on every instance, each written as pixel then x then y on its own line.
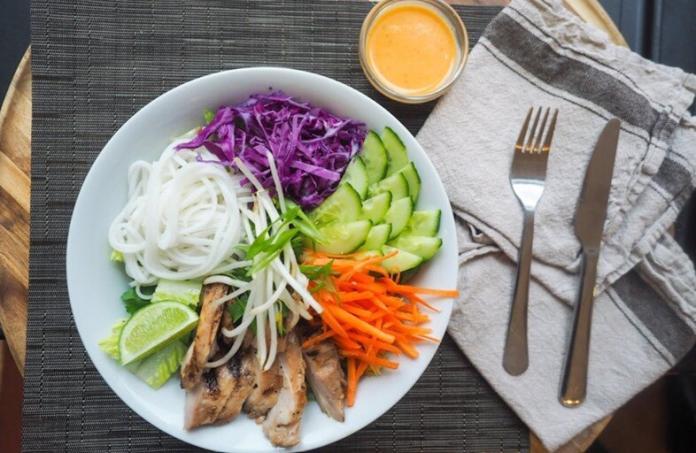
pixel 95 64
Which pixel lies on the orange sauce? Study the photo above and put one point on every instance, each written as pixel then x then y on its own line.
pixel 412 48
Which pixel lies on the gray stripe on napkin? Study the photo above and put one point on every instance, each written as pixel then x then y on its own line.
pixel 673 176
pixel 573 76
pixel 655 314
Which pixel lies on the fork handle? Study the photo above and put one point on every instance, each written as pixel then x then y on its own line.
pixel 574 384
pixel 516 355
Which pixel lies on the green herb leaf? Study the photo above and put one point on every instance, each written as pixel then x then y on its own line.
pixel 132 301
pixel 280 315
pixel 314 272
pixel 320 275
pixel 304 223
pixel 238 274
pixel 272 250
pixel 291 212
pixel 298 245
pixel 280 325
pixel 237 308
pixel 261 242
pixel 236 311
pixel 208 115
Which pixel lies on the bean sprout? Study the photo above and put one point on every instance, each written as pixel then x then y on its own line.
pixel 269 287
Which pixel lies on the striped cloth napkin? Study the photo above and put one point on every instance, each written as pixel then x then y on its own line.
pixel 536 53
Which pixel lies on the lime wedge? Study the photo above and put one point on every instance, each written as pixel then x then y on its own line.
pixel 154 327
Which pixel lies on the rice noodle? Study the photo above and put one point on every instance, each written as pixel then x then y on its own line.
pixel 182 219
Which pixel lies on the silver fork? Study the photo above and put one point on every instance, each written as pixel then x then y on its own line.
pixel 527 177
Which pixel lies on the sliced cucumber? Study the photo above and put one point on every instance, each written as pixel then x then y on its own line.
pixel 344 206
pixel 356 176
pixel 361 255
pixel 376 208
pixel 423 246
pixel 377 237
pixel 413 180
pixel 396 184
pixel 423 223
pixel 398 215
pixel 374 156
pixel 400 262
pixel 396 151
pixel 343 238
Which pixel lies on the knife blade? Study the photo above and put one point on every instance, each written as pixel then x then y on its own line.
pixel 590 214
pixel 591 211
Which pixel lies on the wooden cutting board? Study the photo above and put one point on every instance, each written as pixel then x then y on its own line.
pixel 15 192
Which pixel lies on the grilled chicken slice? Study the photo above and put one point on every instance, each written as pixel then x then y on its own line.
pixel 204 344
pixel 207 399
pixel 267 385
pixel 326 378
pixel 240 371
pixel 282 425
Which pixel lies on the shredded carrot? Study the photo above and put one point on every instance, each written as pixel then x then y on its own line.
pixel 345 343
pixel 352 382
pixel 358 323
pixel 371 359
pixel 363 278
pixel 408 348
pixel 346 296
pixel 420 300
pixel 332 323
pixel 318 339
pixel 357 311
pixel 368 314
pixel 406 289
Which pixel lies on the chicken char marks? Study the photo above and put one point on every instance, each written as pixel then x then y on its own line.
pixel 205 401
pixel 282 424
pixel 326 378
pixel 242 372
pixel 204 344
pixel 218 398
pixel 267 385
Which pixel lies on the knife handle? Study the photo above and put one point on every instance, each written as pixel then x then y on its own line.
pixel 574 384
pixel 516 354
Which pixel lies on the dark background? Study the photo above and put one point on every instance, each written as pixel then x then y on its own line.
pixel 662 30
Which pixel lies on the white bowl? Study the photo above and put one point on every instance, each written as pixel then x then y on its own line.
pixel 95 283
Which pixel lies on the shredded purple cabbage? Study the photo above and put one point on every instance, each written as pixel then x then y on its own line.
pixel 311 146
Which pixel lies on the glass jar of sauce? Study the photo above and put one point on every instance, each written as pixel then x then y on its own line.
pixel 413 50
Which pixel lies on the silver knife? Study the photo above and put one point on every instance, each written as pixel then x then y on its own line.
pixel 589 224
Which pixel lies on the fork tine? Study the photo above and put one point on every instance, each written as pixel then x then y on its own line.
pixel 540 135
pixel 528 147
pixel 523 132
pixel 549 134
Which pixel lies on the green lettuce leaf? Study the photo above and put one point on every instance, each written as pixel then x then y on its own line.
pixel 155 370
pixel 187 292
pixel 110 344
